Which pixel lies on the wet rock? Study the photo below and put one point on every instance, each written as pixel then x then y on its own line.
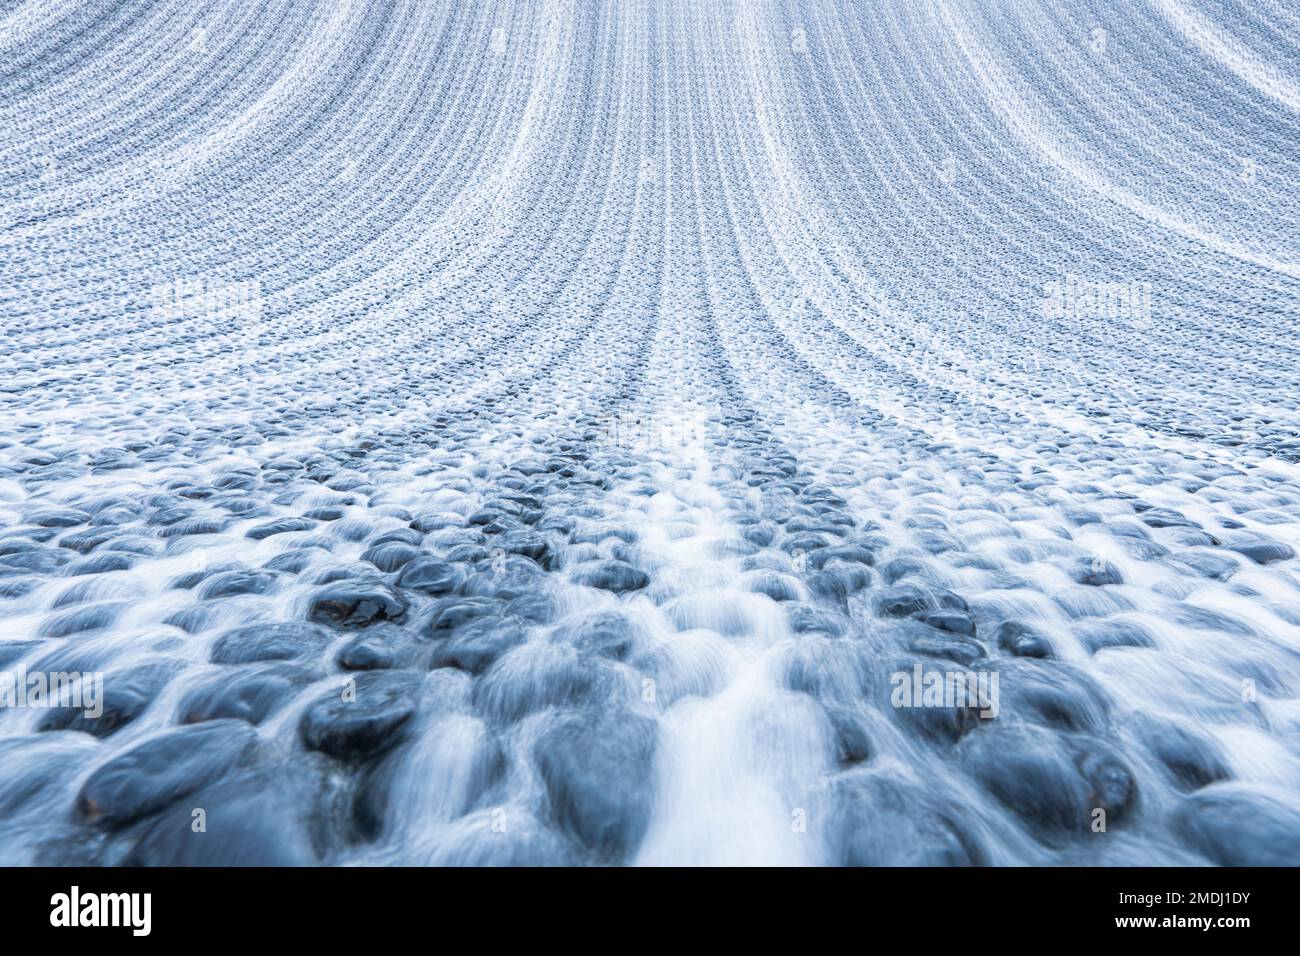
pixel 232 583
pixel 529 544
pixel 1031 772
pixel 1193 760
pixel 1085 602
pixel 952 647
pixel 934 542
pixel 847 553
pixel 429 522
pixel 481 641
pixel 806 619
pixel 352 529
pixel 250 694
pixel 1021 640
pixel 1205 564
pixel 17 587
pixel 1236 825
pixel 1167 518
pixel 125 696
pixel 878 821
pixel 954 622
pixel 540 607
pixel 34 776
pixel 13 651
pixel 361 717
pixel 235 481
pixel 259 817
pixel 539 674
pixel 615 576
pixel 279 526
pixel 1118 632
pixel 485 516
pixel 1053 694
pixel 21 544
pixel 391 557
pixel 133 545
pixel 1263 552
pixel 38 560
pixel 467 554
pixel 905 600
pixel 376 648
pixel 606 633
pixel 597 768
pixel 192 620
pixel 193 527
pixel 192 579
pixel 852 741
pixel 100 564
pixel 1111 784
pixel 83 542
pixel 430 575
pixel 1190 538
pixel 456 612
pixel 598 533
pixel 159 770
pixel 58 518
pixel 560 523
pixel 833 671
pixel 798 525
pixel 358 603
pixel 505 578
pixel 95 617
pixel 804 543
pixel 941 724
pixel 779 587
pixel 407 536
pixel 246 508
pixel 290 562
pixel 83 592
pixel 838 582
pixel 1095 572
pixel 269 642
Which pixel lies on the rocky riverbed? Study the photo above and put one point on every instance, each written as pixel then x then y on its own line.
pixel 556 433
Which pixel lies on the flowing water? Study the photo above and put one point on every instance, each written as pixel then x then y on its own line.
pixel 650 433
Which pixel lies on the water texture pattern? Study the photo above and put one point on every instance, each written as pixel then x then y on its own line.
pixel 589 433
